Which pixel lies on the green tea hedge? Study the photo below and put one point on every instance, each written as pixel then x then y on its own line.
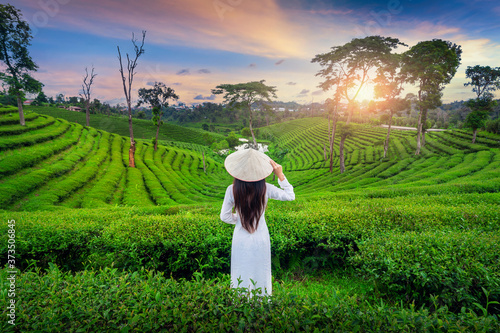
pixel 146 301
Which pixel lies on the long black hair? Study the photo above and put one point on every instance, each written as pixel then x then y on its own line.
pixel 249 202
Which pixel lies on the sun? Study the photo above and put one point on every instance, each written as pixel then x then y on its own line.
pixel 366 94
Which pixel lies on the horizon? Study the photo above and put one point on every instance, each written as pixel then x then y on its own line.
pixel 193 46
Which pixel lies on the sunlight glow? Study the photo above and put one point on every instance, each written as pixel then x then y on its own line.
pixel 366 93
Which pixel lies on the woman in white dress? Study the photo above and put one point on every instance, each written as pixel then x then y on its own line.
pixel 248 195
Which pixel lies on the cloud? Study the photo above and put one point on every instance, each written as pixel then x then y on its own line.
pixel 330 12
pixel 291 83
pixel 205 98
pixel 150 83
pixel 184 71
pixel 279 62
pixel 204 71
pixel 195 23
pixel 252 65
pixel 317 92
pixel 177 84
pixel 304 92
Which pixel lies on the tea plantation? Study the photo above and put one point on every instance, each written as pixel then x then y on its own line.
pixel 399 244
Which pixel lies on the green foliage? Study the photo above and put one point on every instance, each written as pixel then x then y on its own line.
pixel 382 217
pixel 452 268
pixel 232 140
pixel 15 37
pixel 246 132
pixel 493 126
pixel 483 79
pixel 147 301
pixel 481 108
pixel 119 125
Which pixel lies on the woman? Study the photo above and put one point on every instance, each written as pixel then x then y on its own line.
pixel 248 195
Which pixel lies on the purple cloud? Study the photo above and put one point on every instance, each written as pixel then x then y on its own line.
pixel 205 98
pixel 184 71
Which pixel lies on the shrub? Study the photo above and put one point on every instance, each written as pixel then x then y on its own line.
pixel 457 268
pixel 493 126
pixel 232 140
pixel 147 301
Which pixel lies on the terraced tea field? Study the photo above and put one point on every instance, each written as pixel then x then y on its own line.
pixel 405 243
pixel 54 163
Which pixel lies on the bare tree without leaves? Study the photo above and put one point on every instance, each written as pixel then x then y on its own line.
pixel 127 88
pixel 87 83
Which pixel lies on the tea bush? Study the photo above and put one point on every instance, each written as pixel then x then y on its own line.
pixel 147 301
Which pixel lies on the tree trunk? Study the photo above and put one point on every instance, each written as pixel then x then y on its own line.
pixel 386 144
pixel 157 131
pixel 474 135
pixel 332 140
pixel 20 109
pixel 131 153
pixel 87 112
pixel 341 157
pixel 253 136
pixel 422 131
pixel 419 130
pixel 204 167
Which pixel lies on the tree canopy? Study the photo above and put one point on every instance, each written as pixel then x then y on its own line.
pixel 15 37
pixel 243 95
pixel 484 80
pixel 157 97
pixel 431 65
pixel 348 66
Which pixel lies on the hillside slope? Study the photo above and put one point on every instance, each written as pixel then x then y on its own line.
pixel 52 162
pixel 55 163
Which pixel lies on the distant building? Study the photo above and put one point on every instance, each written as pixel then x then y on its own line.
pixel 75 108
pixel 28 102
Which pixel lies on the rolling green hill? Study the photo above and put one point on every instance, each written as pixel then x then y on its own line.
pixel 405 243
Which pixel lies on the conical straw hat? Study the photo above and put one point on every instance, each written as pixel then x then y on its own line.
pixel 248 165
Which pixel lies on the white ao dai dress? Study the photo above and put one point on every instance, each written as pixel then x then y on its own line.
pixel 251 252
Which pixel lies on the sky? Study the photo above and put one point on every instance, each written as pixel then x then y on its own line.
pixel 194 45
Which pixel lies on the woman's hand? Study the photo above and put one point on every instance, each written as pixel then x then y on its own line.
pixel 278 170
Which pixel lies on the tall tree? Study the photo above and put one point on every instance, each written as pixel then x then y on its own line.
pixel 127 89
pixel 15 37
pixel 431 65
pixel 389 85
pixel 484 81
pixel 348 67
pixel 332 109
pixel 86 86
pixel 41 98
pixel 345 131
pixel 243 95
pixel 157 97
